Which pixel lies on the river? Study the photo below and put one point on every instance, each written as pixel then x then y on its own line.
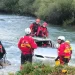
pixel 12 28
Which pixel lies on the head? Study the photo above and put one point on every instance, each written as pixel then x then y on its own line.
pixel 44 24
pixel 37 21
pixel 27 31
pixel 61 39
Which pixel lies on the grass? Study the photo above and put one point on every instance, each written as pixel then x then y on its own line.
pixel 42 69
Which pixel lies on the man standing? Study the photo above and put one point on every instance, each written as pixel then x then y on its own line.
pixel 27 45
pixel 63 51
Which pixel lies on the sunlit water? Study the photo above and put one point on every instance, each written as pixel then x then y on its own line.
pixel 12 28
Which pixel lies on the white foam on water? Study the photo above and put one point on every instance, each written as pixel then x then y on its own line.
pixel 12 27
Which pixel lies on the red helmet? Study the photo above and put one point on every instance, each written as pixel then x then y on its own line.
pixel 45 24
pixel 37 20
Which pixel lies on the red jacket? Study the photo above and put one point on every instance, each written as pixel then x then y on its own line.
pixel 29 40
pixel 42 31
pixel 64 50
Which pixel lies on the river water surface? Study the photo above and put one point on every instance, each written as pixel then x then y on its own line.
pixel 12 28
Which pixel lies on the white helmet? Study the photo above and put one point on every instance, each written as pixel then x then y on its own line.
pixel 27 31
pixel 61 38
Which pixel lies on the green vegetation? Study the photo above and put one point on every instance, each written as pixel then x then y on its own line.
pixel 60 12
pixel 25 6
pixel 41 69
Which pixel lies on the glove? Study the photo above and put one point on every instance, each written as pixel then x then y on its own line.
pixel 57 58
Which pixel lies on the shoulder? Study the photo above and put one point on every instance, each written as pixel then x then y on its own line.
pixel 33 23
pixel 30 37
pixel 22 37
pixel 62 44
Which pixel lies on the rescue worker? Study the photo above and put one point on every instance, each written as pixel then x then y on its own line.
pixel 63 51
pixel 42 31
pixel 34 27
pixel 27 45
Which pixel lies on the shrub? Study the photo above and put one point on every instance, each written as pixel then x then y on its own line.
pixel 42 69
pixel 26 6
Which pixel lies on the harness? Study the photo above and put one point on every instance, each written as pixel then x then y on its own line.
pixel 35 27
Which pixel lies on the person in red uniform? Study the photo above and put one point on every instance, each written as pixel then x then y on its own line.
pixel 42 30
pixel 63 51
pixel 34 27
pixel 27 45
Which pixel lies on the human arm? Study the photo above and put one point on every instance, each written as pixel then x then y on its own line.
pixel 19 43
pixel 57 58
pixel 33 43
pixel 31 27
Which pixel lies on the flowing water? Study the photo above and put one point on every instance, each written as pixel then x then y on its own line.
pixel 12 28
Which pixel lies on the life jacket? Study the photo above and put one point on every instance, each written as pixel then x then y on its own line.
pixel 35 27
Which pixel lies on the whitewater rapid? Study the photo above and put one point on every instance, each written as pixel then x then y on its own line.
pixel 12 28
